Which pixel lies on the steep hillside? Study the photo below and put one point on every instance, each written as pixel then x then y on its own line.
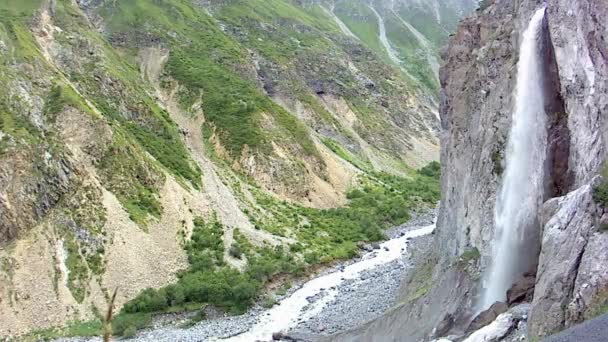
pixel 566 247
pixel 144 139
pixel 406 33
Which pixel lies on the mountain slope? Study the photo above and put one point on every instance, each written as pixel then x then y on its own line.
pixel 130 129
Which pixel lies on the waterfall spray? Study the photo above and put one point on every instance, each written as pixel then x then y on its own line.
pixel 517 203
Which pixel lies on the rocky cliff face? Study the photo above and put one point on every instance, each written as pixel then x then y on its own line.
pixel 478 79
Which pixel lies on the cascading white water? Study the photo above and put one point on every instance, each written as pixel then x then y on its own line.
pixel 522 185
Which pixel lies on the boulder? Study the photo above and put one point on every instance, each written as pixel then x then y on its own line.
pixel 444 326
pixel 495 331
pixel 488 316
pixel 522 290
pixel 277 336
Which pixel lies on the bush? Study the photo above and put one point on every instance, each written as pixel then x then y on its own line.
pixel 433 170
pixel 199 316
pixel 235 251
pixel 600 194
pixel 268 302
pixel 130 332
pixel 470 254
pixel 150 300
pixel 206 247
pixel 281 291
pixel 125 321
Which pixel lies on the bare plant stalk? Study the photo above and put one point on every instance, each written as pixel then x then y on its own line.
pixel 107 321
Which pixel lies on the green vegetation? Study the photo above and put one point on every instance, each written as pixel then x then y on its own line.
pixel 340 152
pixel 206 247
pixel 16 128
pixel 126 323
pixel 61 96
pixel 123 324
pixel 207 65
pixel 19 8
pixel 268 302
pixel 80 329
pixel 425 25
pixel 132 177
pixel 235 251
pixel 497 161
pixel 600 194
pixel 78 271
pixel 210 281
pixel 114 87
pixel 469 254
pixel 411 52
pixel 382 201
pixel 433 170
pixel 281 291
pixel 598 305
pixel 301 31
pixel 363 23
pixel 421 280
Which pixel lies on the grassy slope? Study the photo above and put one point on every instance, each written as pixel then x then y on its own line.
pixel 304 43
pixel 363 23
pixel 411 52
pixel 205 60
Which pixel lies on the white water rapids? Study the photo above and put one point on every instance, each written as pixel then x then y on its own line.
pixel 522 185
pixel 296 307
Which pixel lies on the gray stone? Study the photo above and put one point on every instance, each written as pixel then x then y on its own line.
pixel 488 316
pixel 522 290
pixel 572 265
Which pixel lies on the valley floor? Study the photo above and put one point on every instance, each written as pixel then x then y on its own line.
pixel 349 294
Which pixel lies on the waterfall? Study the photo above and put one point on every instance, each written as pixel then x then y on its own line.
pixel 521 194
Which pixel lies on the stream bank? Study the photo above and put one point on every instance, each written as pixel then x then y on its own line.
pixel 337 299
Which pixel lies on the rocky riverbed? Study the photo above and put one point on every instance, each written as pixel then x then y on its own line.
pixel 352 301
pixel 368 296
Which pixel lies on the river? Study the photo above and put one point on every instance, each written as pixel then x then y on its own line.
pixel 336 300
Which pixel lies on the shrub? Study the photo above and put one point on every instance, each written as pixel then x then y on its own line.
pixel 600 194
pixel 206 247
pixel 130 332
pixel 124 321
pixel 268 302
pixel 199 316
pixel 470 254
pixel 149 300
pixel 433 170
pixel 235 251
pixel 281 291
